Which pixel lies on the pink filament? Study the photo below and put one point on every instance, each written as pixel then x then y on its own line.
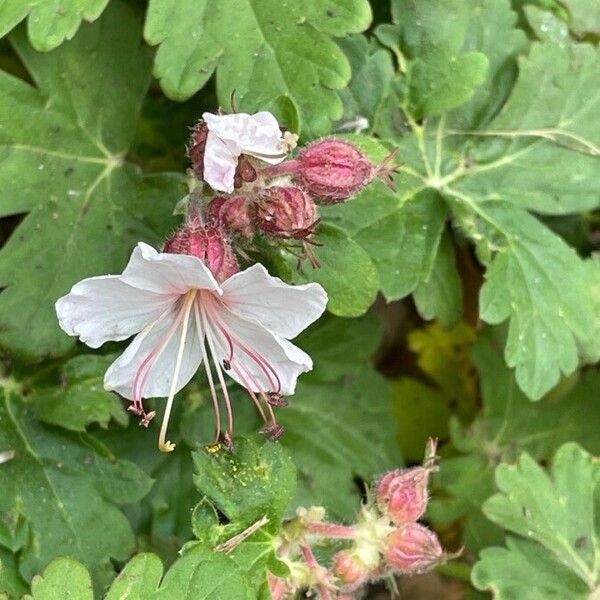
pixel 262 363
pixel 145 368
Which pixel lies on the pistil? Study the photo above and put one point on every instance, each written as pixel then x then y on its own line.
pixel 163 444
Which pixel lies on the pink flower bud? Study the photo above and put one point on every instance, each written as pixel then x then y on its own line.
pixel 232 212
pixel 349 569
pixel 402 494
pixel 413 549
pixel 209 244
pixel 287 212
pixel 334 170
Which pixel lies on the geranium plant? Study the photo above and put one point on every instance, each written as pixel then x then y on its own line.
pixel 300 244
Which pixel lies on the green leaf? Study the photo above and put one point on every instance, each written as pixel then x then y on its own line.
pixel 11 582
pixel 163 515
pixel 431 35
pixel 492 31
pixel 78 398
pixel 556 510
pixel 524 570
pixel 592 350
pixel 332 341
pixel 546 25
pixel 404 243
pixel 438 82
pixel 61 161
pixel 540 283
pixel 49 24
pixel 422 25
pixel 490 176
pixel 440 295
pixel 252 482
pixel 335 432
pixel 252 488
pixel 584 16
pixel 262 49
pixel 346 272
pixel 202 574
pixel 67 489
pixel 549 119
pixel 421 412
pixel 509 423
pixel 401 233
pixel 372 71
pixel 139 578
pixel 62 578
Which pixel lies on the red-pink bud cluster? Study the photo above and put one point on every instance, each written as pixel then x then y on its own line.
pixel 278 202
pixel 385 540
pixel 402 498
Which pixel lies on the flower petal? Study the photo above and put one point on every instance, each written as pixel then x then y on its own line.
pixel 121 375
pixel 220 163
pixel 257 135
pixel 285 360
pixel 99 309
pixel 165 273
pixel 284 309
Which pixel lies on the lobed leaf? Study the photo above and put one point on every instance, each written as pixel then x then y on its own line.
pixel 79 398
pixel 552 117
pixel 62 578
pixel 508 424
pixel 49 23
pixel 66 490
pixel 556 510
pixel 62 147
pixel 261 49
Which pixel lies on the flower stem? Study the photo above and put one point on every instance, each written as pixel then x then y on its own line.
pixel 288 167
pixel 332 530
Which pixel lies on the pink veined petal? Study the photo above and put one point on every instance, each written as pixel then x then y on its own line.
pixel 165 273
pixel 220 162
pixel 121 375
pixel 101 309
pixel 271 360
pixel 257 135
pixel 284 309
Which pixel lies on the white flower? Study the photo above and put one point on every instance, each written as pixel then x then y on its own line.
pixel 182 318
pixel 229 136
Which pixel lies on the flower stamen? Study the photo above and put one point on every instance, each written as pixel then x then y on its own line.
pixel 163 444
pixel 259 360
pixel 217 364
pixel 213 391
pixel 145 369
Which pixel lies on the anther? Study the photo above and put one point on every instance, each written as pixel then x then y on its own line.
pixel 276 399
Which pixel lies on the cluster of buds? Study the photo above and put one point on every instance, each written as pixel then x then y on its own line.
pixel 261 193
pixel 385 541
